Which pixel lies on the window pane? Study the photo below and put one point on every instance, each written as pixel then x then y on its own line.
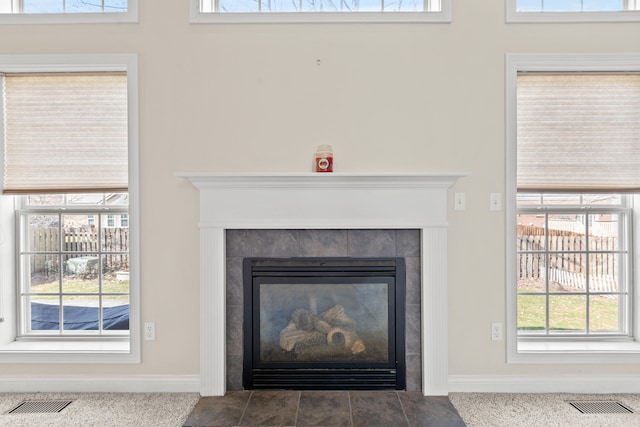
pixel 43 233
pixel 45 200
pixel 81 274
pixel 44 274
pixel 604 313
pixel 567 313
pixel 532 313
pixel 115 5
pixel 603 5
pixel 403 6
pixel 43 314
pixel 602 199
pixel 119 199
pixel 233 6
pixel 43 6
pixel 79 236
pixel 80 313
pixel 116 281
pixel 115 313
pixel 561 199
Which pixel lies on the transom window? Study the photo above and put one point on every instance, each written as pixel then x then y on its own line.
pixel 67 11
pixel 572 10
pixel 270 6
pixel 63 6
pixel 319 11
pixel 575 5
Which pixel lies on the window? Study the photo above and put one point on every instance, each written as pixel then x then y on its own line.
pixel 573 149
pixel 572 10
pixel 573 259
pixel 70 272
pixel 68 171
pixel 69 11
pixel 320 11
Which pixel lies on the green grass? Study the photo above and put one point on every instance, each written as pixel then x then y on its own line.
pixel 78 285
pixel 567 312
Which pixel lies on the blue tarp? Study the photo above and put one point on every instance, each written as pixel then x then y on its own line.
pixel 47 317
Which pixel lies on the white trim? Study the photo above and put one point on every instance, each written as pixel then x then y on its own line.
pixel 512 16
pixel 101 384
pixel 130 16
pixel 544 383
pixel 559 62
pixel 229 201
pixel 197 17
pixel 107 62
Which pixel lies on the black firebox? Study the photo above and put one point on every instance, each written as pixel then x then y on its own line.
pixel 324 323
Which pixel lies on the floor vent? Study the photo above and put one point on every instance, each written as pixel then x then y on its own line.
pixel 600 407
pixel 40 406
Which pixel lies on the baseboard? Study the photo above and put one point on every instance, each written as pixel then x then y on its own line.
pixel 103 384
pixel 544 384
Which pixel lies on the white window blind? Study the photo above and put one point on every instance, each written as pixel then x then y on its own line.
pixel 65 132
pixel 578 132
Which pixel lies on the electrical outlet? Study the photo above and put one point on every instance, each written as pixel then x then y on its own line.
pixel 149 331
pixel 496 331
pixel 460 202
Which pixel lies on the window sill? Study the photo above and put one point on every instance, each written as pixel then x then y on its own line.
pixel 67 352
pixel 576 352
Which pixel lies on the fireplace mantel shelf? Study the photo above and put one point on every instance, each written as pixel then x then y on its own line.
pixel 335 179
pixel 323 200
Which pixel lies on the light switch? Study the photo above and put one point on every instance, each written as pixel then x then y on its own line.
pixel 460 201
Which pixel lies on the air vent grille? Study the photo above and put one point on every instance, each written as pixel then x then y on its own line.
pixel 600 407
pixel 40 406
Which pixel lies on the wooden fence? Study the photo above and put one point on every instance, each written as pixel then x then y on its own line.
pixel 567 259
pixel 85 245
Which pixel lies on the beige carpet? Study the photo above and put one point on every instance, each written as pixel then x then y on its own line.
pixel 102 409
pixel 547 410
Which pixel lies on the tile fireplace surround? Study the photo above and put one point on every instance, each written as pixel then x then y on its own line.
pixel 323 201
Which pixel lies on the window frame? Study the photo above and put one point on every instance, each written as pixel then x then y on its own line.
pixel 625 286
pixel 24 211
pixel 513 16
pixel 130 16
pixel 69 350
pixel 198 17
pixel 558 350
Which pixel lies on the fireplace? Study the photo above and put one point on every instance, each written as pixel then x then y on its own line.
pixel 324 323
pixel 351 201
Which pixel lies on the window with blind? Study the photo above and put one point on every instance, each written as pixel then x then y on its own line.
pixel 572 205
pixel 577 176
pixel 66 161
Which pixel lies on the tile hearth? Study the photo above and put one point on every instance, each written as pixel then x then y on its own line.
pixel 324 408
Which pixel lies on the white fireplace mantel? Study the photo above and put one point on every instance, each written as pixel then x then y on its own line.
pixel 323 201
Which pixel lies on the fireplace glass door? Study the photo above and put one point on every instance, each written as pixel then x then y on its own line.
pixel 324 323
